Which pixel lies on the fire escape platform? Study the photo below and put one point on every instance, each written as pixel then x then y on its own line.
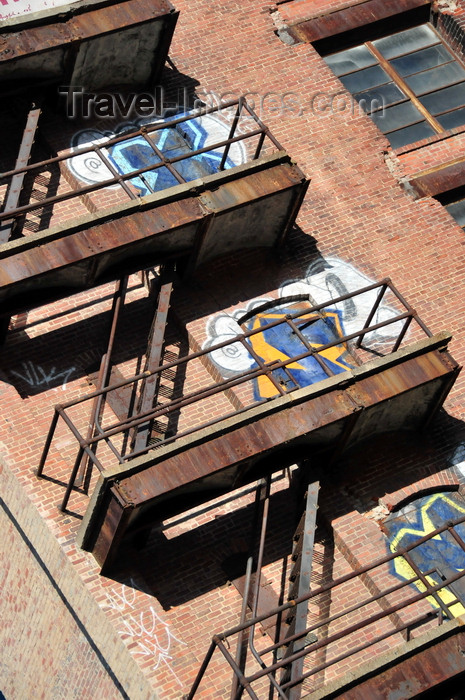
pixel 400 391
pixel 196 221
pixel 90 44
pixel 416 667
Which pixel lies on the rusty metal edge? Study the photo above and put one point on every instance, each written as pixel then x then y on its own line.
pixel 108 477
pixel 318 26
pixel 390 659
pixel 173 194
pixel 439 179
pixel 60 15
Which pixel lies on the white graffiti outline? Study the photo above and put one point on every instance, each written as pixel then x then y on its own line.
pixel 89 168
pixel 152 634
pixel 324 280
pixel 36 376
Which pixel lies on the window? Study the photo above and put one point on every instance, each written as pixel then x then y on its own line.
pixel 454 202
pixel 409 83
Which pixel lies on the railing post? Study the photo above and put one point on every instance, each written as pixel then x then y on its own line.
pixel 232 131
pixel 374 309
pixel 48 442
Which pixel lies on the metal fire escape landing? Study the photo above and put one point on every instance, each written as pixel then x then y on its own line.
pixel 408 670
pixel 192 219
pixel 401 388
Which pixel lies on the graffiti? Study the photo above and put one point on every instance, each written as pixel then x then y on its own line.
pixel 441 556
pixel 36 376
pixel 280 343
pixel 331 278
pixel 458 460
pixel 152 635
pixel 13 8
pixel 135 153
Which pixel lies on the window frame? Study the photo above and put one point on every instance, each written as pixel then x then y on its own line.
pixel 399 81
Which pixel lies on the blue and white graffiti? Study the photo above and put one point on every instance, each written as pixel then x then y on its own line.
pixel 135 153
pixel 441 556
pixel 280 344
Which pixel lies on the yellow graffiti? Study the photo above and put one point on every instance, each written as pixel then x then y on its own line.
pixel 269 353
pixel 404 570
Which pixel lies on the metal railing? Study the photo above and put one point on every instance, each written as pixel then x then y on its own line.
pixel 270 665
pixel 295 323
pixel 242 110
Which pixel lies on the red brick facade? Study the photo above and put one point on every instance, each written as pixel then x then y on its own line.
pixel 167 598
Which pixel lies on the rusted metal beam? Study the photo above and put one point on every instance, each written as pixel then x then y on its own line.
pixel 104 373
pixel 304 539
pixel 81 25
pixel 16 182
pixel 153 360
pixel 328 24
pixel 412 675
pixel 434 181
pixel 155 228
pixel 173 479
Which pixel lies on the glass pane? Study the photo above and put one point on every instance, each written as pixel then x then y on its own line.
pixel 457 210
pixel 410 134
pixel 350 60
pixel 404 42
pixel 380 97
pixel 364 79
pixel 422 60
pixel 443 100
pixel 397 116
pixel 436 78
pixel 452 119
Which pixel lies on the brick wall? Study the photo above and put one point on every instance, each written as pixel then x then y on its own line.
pixel 56 641
pixel 358 220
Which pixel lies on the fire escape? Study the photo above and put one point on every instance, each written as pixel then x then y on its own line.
pixel 153 461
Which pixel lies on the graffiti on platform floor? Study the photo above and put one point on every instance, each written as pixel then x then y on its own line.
pixel 152 635
pixel 280 343
pixel 336 278
pixel 14 8
pixel 136 153
pixel 441 556
pixel 37 377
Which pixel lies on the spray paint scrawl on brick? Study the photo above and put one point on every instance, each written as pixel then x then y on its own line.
pixel 35 376
pixel 280 343
pixel 135 153
pixel 441 556
pixel 152 635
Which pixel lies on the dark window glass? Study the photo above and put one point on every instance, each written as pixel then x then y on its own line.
pixel 407 41
pixel 410 134
pixel 364 79
pixel 422 60
pixel 397 117
pixel 452 119
pixel 436 78
pixel 444 100
pixel 350 60
pixel 457 210
pixel 379 97
pixel 409 83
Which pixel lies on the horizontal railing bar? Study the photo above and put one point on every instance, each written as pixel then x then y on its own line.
pixel 343 579
pixel 354 628
pixel 217 388
pixel 361 647
pixel 346 611
pixel 247 334
pixel 123 177
pixel 70 153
